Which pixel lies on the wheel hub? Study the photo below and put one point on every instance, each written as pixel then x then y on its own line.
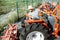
pixel 35 35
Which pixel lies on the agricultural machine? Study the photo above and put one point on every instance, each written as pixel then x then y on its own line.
pixel 47 27
pixel 10 33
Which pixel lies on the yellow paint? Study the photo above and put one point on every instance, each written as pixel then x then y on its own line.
pixel 59 13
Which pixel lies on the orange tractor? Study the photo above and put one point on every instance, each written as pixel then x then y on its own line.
pixel 43 28
pixel 34 29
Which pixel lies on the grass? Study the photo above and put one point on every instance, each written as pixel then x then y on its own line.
pixel 5 19
pixel 8 18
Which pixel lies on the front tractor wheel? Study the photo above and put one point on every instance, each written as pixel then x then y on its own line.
pixel 33 32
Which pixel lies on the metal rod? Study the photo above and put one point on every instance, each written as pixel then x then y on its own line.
pixel 17 10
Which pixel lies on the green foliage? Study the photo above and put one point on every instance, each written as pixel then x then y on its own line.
pixel 2 3
pixel 6 6
pixel 1 29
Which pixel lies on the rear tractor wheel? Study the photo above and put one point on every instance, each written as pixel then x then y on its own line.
pixel 33 32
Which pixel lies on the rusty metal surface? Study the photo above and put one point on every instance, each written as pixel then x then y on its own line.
pixel 10 33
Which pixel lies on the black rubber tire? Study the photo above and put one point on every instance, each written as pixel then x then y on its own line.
pixel 30 28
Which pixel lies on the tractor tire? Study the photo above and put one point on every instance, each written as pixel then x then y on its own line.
pixel 30 32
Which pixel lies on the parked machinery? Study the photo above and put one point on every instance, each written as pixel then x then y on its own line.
pixel 47 27
pixel 10 33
